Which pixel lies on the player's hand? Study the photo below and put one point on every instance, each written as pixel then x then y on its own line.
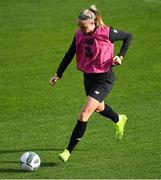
pixel 54 79
pixel 117 60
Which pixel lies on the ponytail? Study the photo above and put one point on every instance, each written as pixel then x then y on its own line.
pixel 98 19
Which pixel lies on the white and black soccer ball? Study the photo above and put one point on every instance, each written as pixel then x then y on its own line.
pixel 30 161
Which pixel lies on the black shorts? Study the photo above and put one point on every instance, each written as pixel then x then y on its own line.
pixel 98 85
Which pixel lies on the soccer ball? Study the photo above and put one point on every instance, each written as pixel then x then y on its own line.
pixel 30 161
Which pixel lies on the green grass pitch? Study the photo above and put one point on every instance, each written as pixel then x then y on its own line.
pixel 34 36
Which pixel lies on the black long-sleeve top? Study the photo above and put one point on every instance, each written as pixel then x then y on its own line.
pixel 114 35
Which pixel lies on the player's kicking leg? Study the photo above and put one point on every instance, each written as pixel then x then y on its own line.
pixel 119 120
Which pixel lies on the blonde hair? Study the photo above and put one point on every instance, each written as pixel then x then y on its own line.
pixel 91 15
pixel 98 17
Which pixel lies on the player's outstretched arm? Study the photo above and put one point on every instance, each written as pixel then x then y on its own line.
pixel 64 63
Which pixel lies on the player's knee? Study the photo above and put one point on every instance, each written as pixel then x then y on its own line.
pixel 84 116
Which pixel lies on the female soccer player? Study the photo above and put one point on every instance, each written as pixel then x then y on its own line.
pixel 93 44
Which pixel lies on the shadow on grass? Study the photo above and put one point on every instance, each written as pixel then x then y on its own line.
pixel 12 170
pixel 48 164
pixel 43 164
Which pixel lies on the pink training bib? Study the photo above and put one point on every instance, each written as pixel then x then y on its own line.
pixel 94 53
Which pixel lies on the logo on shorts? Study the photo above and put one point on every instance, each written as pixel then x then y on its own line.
pixel 96 92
